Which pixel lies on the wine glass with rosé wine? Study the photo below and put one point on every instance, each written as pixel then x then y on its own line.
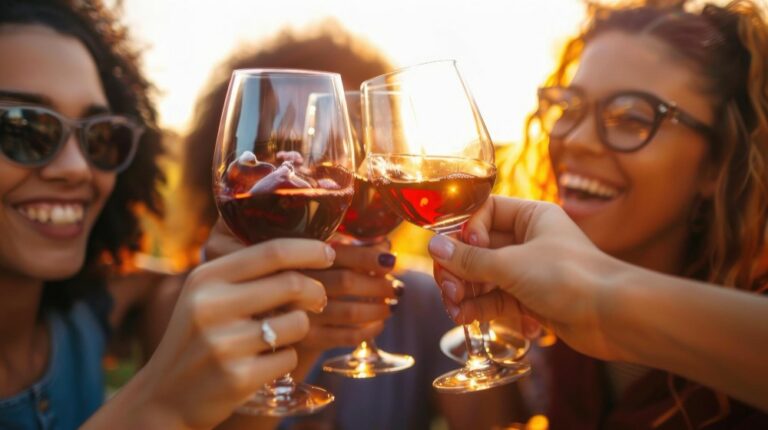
pixel 431 158
pixel 274 177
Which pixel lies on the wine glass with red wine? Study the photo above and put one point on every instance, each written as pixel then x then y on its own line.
pixel 432 160
pixel 275 176
pixel 367 222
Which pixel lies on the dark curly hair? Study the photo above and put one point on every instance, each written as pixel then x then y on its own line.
pixel 327 47
pixel 116 234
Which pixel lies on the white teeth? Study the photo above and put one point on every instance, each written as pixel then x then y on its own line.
pixel 57 214
pixel 587 185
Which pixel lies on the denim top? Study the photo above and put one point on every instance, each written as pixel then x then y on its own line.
pixel 72 387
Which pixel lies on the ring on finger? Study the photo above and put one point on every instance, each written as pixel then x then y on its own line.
pixel 268 334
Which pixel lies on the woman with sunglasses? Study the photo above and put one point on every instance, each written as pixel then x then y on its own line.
pixel 654 141
pixel 78 150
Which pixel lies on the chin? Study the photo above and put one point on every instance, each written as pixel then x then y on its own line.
pixel 58 267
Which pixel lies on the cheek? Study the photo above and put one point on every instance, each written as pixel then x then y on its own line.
pixel 11 176
pixel 664 184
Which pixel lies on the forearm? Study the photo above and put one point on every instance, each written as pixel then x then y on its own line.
pixel 706 333
pixel 131 408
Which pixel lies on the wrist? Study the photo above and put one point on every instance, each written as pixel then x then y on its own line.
pixel 609 292
pixel 623 309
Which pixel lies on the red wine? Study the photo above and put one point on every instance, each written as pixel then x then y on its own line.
pixel 259 201
pixel 368 216
pixel 445 198
pixel 312 213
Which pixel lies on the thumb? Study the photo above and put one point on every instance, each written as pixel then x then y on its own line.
pixel 465 261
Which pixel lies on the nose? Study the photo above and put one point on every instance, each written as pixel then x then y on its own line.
pixel 70 164
pixel 584 137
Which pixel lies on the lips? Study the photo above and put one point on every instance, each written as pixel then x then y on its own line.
pixel 54 219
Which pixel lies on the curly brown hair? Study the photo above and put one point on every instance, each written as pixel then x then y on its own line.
pixel 728 47
pixel 116 234
pixel 327 47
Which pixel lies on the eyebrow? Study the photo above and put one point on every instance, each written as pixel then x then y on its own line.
pixel 25 97
pixel 38 99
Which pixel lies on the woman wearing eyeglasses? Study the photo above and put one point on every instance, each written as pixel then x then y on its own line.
pixel 78 149
pixel 655 144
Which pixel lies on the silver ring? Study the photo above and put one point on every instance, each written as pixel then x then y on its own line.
pixel 268 334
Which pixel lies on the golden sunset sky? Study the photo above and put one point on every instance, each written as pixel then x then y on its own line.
pixel 505 48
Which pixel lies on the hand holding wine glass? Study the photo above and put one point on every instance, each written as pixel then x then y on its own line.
pixel 278 173
pixel 431 158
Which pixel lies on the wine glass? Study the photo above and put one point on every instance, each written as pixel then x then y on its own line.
pixel 367 222
pixel 431 158
pixel 275 176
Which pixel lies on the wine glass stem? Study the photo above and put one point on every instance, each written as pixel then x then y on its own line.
pixel 475 333
pixel 366 351
pixel 281 388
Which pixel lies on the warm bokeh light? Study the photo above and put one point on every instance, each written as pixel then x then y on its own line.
pixel 504 47
pixel 504 50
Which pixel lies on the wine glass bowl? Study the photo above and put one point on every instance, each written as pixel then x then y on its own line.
pixel 369 219
pixel 283 168
pixel 436 193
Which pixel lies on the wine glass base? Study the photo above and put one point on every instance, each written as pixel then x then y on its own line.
pixel 467 380
pixel 354 367
pixel 304 399
pixel 505 346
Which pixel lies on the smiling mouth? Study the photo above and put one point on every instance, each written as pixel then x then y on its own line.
pixel 584 188
pixel 54 214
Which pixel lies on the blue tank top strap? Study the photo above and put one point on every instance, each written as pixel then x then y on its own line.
pixel 72 387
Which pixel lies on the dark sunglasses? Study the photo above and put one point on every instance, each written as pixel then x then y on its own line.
pixel 626 121
pixel 31 136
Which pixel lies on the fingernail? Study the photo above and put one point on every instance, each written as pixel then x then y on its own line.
pixel 441 247
pixel 323 304
pixel 330 253
pixel 473 240
pixel 399 287
pixel 453 311
pixel 531 327
pixel 399 290
pixel 387 260
pixel 451 290
pixel 393 304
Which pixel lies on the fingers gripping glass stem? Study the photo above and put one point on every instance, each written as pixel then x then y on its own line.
pixel 480 372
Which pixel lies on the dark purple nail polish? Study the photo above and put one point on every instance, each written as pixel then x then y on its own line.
pixel 399 289
pixel 387 260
